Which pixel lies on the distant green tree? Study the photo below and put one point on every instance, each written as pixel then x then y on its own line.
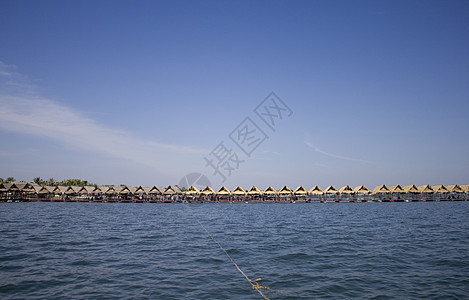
pixel 10 179
pixel 39 181
pixel 75 182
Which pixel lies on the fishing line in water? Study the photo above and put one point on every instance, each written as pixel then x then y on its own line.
pixel 254 283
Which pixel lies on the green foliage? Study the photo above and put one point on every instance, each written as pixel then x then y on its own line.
pixel 76 182
pixel 9 179
pixel 66 182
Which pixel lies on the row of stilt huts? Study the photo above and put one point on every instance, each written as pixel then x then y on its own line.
pixel 22 191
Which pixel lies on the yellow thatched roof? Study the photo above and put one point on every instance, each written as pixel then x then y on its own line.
pixel 346 190
pixel 300 191
pixel 316 190
pixel 454 188
pixel 381 189
pixel 76 189
pixel 361 189
pixel 411 189
pixel 60 189
pixel 123 190
pixel 223 191
pixel 396 189
pixel 285 191
pixel 270 191
pixel 99 190
pixel 439 188
pixel 192 191
pixel 239 191
pixel 88 189
pixel 207 191
pixel 465 188
pixel 155 190
pixel 40 190
pixel 331 190
pixel 142 190
pixel 254 191
pixel 50 188
pixel 19 186
pixel 171 190
pixel 425 189
pixel 112 190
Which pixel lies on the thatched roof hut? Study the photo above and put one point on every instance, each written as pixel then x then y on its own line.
pixel 439 188
pixel 223 191
pixel 50 188
pixel 382 188
pixel 300 191
pixel 207 191
pixel 112 190
pixel 60 190
pixel 285 191
pixel 346 190
pixel 69 190
pixel 144 190
pixel 172 190
pixel 192 190
pixel 454 188
pixel 239 191
pixel 155 190
pixel 361 189
pixel 35 187
pixel 254 191
pixel 103 189
pixel 316 191
pixel 122 190
pixel 427 189
pixel 331 190
pixel 7 186
pixel 270 191
pixel 87 190
pixel 19 187
pixel 465 188
pixel 98 190
pixel 396 189
pixel 41 190
pixel 411 189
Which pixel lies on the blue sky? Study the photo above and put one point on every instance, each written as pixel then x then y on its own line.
pixel 140 92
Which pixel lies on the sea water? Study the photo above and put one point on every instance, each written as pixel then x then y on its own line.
pixel 301 251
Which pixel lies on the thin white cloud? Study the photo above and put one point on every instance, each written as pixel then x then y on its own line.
pixel 315 148
pixel 6 70
pixel 43 117
pixel 37 116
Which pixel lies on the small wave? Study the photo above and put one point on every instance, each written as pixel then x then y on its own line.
pixel 294 256
pixel 209 260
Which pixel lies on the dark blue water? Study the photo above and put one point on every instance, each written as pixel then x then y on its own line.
pixel 301 251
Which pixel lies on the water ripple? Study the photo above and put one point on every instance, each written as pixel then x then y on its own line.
pixel 134 251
